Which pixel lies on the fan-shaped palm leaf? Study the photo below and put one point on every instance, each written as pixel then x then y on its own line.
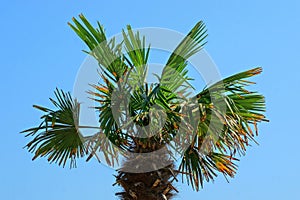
pixel 213 150
pixel 58 137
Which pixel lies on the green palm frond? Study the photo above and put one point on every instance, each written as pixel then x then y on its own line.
pixel 103 96
pixel 177 62
pixel 138 54
pixel 107 53
pixel 236 112
pixel 58 137
pixel 90 35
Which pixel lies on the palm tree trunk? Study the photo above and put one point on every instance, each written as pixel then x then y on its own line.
pixel 150 185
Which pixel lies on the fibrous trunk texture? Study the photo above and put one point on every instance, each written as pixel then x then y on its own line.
pixel 155 184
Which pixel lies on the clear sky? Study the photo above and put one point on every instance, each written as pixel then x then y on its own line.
pixel 39 52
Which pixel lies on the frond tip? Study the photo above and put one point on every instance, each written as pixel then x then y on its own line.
pixel 58 137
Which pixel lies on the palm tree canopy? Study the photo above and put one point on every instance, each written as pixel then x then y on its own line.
pixel 227 112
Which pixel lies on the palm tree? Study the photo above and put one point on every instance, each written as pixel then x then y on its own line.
pixel 207 131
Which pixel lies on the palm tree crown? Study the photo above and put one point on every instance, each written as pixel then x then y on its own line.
pixel 208 130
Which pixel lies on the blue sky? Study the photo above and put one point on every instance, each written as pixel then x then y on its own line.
pixel 39 52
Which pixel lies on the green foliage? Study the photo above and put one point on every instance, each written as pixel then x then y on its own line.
pixel 177 62
pixel 225 128
pixel 227 119
pixel 58 137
